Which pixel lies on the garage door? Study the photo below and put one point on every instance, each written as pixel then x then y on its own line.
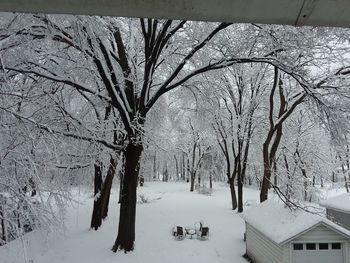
pixel 317 253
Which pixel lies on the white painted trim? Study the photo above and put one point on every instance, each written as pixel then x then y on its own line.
pixel 343 243
pixel 313 227
pixel 290 12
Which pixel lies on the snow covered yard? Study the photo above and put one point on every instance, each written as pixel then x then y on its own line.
pixel 169 204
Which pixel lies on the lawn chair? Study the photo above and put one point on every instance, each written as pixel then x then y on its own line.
pixel 179 235
pixel 203 233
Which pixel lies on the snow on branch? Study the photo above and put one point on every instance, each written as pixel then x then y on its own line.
pixel 66 134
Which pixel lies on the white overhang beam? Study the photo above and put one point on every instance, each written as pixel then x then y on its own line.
pixel 290 12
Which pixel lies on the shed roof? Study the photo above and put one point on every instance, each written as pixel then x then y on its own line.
pixel 280 224
pixel 339 202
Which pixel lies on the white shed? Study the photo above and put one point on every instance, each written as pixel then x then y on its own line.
pixel 275 234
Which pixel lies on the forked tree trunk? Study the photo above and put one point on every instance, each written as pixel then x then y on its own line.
pixel 96 219
pixel 126 230
pixel 102 193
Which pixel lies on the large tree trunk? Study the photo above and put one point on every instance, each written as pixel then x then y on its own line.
pixel 126 230
pixel 96 219
pixel 233 193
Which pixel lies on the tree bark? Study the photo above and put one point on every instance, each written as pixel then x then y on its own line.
pixel 155 166
pixel 121 176
pixel 96 219
pixel 126 230
pixel 233 193
pixel 193 172
pixel 3 226
pixel 188 171
pixel 177 169
pixel 267 174
pixel 192 182
pixel 240 188
pixel 106 188
pixel 183 173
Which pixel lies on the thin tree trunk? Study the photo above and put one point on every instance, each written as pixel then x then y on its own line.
pixel 176 168
pixel 3 226
pixel 193 174
pixel 289 178
pixel 192 182
pixel 183 175
pixel 275 181
pixel 126 230
pixel 96 219
pixel 165 173
pixel 106 188
pixel 155 166
pixel 233 193
pixel 240 188
pixel 188 171
pixel 267 175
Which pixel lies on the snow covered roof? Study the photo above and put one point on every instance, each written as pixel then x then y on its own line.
pixel 280 224
pixel 340 202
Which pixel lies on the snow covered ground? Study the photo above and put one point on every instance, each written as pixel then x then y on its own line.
pixel 169 204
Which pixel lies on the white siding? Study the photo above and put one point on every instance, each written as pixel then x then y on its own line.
pixel 286 253
pixel 260 248
pixel 320 233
